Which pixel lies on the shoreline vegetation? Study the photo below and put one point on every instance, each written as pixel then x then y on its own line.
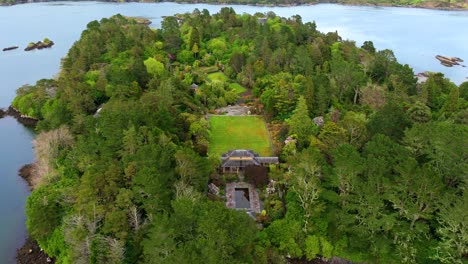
pixel 31 252
pixel 457 5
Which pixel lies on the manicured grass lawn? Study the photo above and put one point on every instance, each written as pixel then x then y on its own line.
pixel 238 132
pixel 217 76
pixel 239 89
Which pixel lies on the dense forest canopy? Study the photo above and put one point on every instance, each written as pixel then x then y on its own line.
pixel 444 4
pixel 375 169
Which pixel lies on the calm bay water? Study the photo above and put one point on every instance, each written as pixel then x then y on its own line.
pixel 415 35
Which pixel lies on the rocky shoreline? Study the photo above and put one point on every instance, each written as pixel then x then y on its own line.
pixel 31 253
pixel 2 113
pixel 23 119
pixel 27 173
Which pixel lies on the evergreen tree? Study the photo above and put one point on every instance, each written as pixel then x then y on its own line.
pixel 300 124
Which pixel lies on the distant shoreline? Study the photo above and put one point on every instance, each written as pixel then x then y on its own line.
pixel 425 5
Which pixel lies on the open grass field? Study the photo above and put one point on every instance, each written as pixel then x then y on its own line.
pixel 238 132
pixel 217 76
pixel 237 87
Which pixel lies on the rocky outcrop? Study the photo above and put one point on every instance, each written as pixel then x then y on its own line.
pixel 448 61
pixel 27 173
pixel 10 48
pixel 32 253
pixel 39 45
pixel 140 20
pixel 2 113
pixel 23 119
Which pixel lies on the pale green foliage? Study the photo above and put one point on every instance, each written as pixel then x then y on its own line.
pixel 355 126
pixel 154 67
pixel 453 231
pixel 419 112
pixel 312 247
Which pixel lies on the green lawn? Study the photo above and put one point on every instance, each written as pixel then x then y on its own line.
pixel 238 132
pixel 239 89
pixel 217 76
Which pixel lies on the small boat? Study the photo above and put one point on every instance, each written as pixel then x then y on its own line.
pixel 10 48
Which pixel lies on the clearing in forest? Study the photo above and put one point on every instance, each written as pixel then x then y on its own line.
pixel 218 76
pixel 238 132
pixel 237 87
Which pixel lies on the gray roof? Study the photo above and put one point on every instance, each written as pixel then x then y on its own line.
pixel 242 158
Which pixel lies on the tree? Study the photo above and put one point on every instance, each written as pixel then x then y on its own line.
pixel 44 212
pixel 419 113
pixel 154 67
pixel 452 231
pixel 356 130
pixel 349 165
pixel 193 169
pixel 390 121
pixel 369 46
pixel 171 34
pixel 332 136
pixel 201 231
pixel 439 145
pixel 306 172
pixel 463 90
pixel 194 39
pixel 451 104
pixel 381 66
pixel 300 124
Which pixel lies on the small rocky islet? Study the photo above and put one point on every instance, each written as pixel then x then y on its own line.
pixel 10 48
pixel 46 43
pixel 449 61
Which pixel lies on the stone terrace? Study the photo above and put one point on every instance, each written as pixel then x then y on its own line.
pixel 253 195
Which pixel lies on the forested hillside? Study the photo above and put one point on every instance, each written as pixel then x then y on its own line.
pixel 122 167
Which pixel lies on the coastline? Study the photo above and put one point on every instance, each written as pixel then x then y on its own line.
pixel 31 252
pixel 425 5
pixel 23 119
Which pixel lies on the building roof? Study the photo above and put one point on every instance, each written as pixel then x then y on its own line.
pixel 242 158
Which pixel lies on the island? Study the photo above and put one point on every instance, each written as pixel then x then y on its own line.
pixel 449 61
pixel 238 138
pixel 46 43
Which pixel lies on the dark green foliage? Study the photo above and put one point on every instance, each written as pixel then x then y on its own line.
pixel 390 121
pixel 200 231
pixel 369 46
